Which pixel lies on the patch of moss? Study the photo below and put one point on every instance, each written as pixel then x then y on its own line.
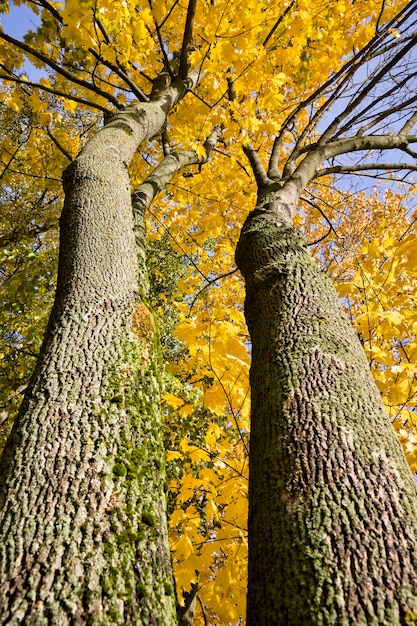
pixel 148 518
pixel 142 591
pixel 119 469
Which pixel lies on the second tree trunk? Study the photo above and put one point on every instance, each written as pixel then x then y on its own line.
pixel 332 503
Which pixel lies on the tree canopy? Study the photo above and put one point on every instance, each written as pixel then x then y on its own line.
pixel 276 91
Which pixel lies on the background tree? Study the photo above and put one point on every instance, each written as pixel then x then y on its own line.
pixel 255 66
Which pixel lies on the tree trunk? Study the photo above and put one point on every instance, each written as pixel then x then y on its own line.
pixel 332 503
pixel 83 537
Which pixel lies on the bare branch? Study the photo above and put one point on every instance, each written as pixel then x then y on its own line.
pixel 187 40
pixel 231 91
pixel 59 145
pixel 278 22
pixel 54 91
pixel 207 285
pixel 161 44
pixel 167 168
pixel 120 71
pixel 342 81
pixel 317 154
pixel 381 12
pixel 361 95
pixel 50 63
pixel 273 171
pixel 166 148
pixel 102 29
pixel 350 169
pixel 261 177
pixel 323 214
pixel 383 115
pixel 48 7
pixel 408 150
pixel 367 142
pixel 410 123
pixel 202 610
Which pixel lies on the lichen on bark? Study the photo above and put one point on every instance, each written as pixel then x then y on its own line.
pixel 332 526
pixel 83 535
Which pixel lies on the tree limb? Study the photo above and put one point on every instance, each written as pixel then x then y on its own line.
pixel 59 146
pixel 54 91
pixel 48 7
pixel 349 169
pixel 359 97
pixel 118 70
pixel 59 70
pixel 308 168
pixel 261 177
pixel 273 170
pixel 278 22
pixel 340 82
pixel 187 40
pixel 161 44
pixel 167 168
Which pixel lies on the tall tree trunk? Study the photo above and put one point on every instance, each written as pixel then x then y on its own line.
pixel 332 503
pixel 83 535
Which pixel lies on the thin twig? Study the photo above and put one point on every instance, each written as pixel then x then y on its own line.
pixel 161 44
pixel 58 145
pixel 278 22
pixel 209 283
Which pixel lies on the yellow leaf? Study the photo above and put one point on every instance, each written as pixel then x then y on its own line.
pixel 186 410
pixel 172 400
pixel 184 548
pixel 45 118
pixel 198 455
pixel 172 455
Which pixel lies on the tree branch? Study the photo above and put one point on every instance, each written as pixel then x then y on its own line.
pixel 187 40
pixel 350 169
pixel 59 70
pixel 161 44
pixel 48 7
pixel 273 170
pixel 323 214
pixel 59 146
pixel 167 168
pixel 119 71
pixel 410 123
pixel 54 91
pixel 359 97
pixel 278 22
pixel 206 286
pixel 166 148
pixel 261 177
pixel 308 168
pixel 341 81
pixel 102 29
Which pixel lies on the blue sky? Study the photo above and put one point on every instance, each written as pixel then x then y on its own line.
pixel 18 21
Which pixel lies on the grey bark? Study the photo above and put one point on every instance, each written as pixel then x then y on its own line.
pixel 332 503
pixel 83 537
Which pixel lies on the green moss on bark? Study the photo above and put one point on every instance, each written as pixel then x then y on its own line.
pixel 332 526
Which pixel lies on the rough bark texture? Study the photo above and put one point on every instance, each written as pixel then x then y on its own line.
pixel 332 503
pixel 83 536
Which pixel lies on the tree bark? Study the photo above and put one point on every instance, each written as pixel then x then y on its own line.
pixel 332 503
pixel 83 537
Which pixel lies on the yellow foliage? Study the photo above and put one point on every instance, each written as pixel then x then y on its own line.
pixel 372 258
